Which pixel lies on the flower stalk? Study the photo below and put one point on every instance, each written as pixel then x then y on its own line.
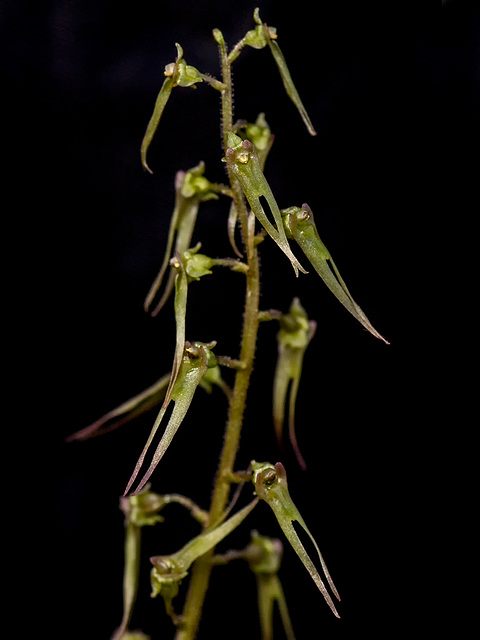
pixel 245 149
pixel 202 569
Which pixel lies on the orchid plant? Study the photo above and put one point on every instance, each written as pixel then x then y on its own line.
pixel 196 365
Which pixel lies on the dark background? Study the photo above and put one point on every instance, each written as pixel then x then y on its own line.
pixel 80 82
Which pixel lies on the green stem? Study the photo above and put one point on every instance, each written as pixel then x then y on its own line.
pixel 227 102
pixel 203 566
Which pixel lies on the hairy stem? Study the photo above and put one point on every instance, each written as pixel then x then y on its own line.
pixel 202 568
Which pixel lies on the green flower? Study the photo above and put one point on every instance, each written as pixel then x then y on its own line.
pixel 295 334
pixel 177 73
pixel 300 225
pixel 271 486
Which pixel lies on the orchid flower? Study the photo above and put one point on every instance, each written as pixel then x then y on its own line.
pixel 191 188
pixel 143 510
pixel 191 361
pixel 271 485
pixel 177 73
pixel 139 511
pixel 242 160
pixel 294 336
pixel 262 138
pixel 263 36
pixel 300 225
pixel 271 38
pixel 264 556
pixel 169 571
pixel 197 358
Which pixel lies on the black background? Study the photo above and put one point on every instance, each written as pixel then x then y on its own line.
pixel 81 79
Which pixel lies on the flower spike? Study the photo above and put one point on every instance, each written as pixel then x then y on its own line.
pixel 242 159
pixel 271 485
pixel 295 334
pixel 300 225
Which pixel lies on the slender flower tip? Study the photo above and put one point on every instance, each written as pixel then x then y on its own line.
pixel 146 167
